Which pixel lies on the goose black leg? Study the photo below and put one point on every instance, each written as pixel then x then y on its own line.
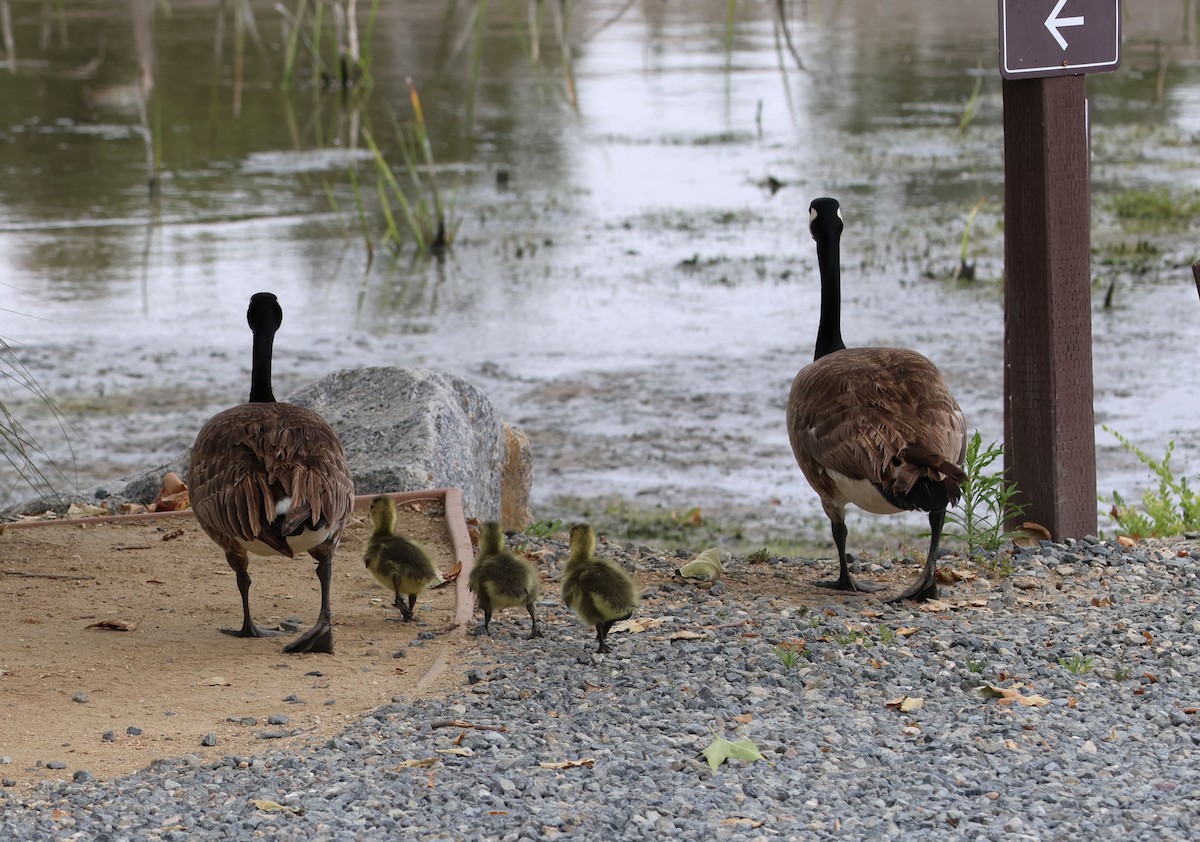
pixel 844 581
pixel 239 563
pixel 320 637
pixel 925 585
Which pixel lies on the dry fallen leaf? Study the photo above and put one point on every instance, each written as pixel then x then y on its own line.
pixel 275 807
pixel 569 764
pixel 905 631
pixel 114 625
pixel 736 822
pixel 451 575
pixel 1030 534
pixel 906 703
pixel 932 605
pixel 215 681
pixel 418 763
pixel 685 634
pixel 460 752
pixel 1126 541
pixel 78 510
pixel 638 624
pixel 1008 695
pixel 705 567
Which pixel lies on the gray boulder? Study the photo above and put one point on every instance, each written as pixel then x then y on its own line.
pixel 403 430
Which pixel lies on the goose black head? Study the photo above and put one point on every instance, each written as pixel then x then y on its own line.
pixel 825 219
pixel 264 312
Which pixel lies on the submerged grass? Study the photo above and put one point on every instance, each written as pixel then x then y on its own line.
pixel 428 220
pixel 1159 207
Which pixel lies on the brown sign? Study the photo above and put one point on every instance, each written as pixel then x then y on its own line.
pixel 1059 37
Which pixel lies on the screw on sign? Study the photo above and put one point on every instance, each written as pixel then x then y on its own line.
pixel 1059 37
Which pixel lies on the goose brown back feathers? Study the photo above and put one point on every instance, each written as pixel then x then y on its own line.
pixel 247 458
pixel 884 415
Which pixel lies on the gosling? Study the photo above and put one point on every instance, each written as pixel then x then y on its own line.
pixel 502 580
pixel 596 589
pixel 396 562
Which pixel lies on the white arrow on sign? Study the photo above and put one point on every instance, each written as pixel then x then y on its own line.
pixel 1055 23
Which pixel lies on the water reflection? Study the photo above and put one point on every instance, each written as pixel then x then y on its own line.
pixel 633 296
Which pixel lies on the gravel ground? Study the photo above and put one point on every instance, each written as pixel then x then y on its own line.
pixel 883 727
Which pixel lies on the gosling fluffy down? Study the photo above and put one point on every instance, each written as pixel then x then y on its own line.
pixel 596 589
pixel 396 562
pixel 502 580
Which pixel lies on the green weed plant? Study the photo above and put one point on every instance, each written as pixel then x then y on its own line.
pixel 988 501
pixel 1170 508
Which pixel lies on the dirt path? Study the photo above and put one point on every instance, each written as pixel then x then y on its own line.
pixel 109 701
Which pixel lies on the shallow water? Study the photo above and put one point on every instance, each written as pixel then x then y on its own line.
pixel 635 298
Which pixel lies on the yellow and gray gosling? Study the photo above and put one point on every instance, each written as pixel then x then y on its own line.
pixel 396 562
pixel 502 580
pixel 596 589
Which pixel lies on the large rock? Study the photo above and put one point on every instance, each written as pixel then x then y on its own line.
pixel 403 430
pixel 411 429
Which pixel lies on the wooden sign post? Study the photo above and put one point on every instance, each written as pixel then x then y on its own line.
pixel 1049 421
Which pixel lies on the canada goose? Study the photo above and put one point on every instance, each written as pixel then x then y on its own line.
pixel 596 589
pixel 501 579
pixel 396 562
pixel 876 427
pixel 269 478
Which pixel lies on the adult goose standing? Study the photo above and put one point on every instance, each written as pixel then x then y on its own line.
pixel 876 427
pixel 271 478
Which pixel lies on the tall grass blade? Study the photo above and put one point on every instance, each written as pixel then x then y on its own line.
pixel 18 448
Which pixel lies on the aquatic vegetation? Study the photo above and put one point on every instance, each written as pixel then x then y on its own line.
pixel 427 218
pixel 1159 207
pixel 350 65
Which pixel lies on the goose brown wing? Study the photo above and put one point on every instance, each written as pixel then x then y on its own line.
pixel 247 457
pixel 864 412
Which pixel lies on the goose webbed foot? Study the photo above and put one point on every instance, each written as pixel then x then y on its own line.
pixel 251 630
pixel 481 630
pixel 847 583
pixel 317 639
pixel 924 587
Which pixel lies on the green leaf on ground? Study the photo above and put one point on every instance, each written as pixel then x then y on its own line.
pixel 722 749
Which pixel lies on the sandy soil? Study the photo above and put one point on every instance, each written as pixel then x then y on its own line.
pixel 173 674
